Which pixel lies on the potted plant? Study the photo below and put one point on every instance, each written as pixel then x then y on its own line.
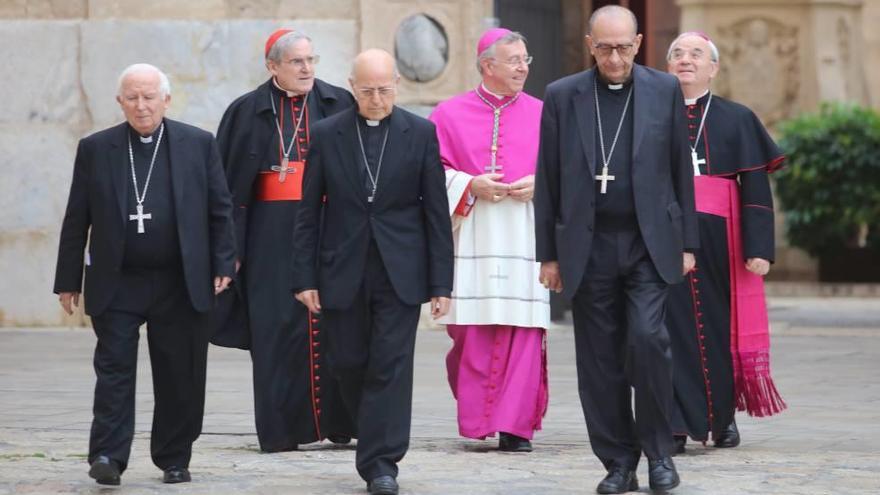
pixel 830 190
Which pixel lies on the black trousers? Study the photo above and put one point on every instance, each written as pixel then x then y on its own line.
pixel 371 346
pixel 178 340
pixel 622 346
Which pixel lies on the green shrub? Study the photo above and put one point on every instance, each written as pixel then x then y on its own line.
pixel 830 186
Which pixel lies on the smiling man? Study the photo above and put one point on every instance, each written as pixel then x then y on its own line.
pixel 718 318
pixel 615 221
pixel 263 138
pixel 500 312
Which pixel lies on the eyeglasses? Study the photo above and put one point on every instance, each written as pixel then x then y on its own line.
pixel 516 61
pixel 383 92
pixel 694 54
pixel 605 49
pixel 301 63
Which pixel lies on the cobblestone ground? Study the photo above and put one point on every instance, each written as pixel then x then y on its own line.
pixel 826 358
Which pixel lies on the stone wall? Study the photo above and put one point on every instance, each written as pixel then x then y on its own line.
pixel 61 59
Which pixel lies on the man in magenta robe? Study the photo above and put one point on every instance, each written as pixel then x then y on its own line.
pixel 499 315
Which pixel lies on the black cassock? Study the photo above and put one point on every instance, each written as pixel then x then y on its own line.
pixel 736 147
pixel 295 401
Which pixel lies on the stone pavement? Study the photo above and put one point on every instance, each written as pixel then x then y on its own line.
pixel 826 358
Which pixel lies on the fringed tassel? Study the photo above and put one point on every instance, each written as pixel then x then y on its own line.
pixel 758 396
pixel 755 391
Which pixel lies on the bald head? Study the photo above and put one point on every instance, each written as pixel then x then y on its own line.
pixel 373 80
pixel 614 14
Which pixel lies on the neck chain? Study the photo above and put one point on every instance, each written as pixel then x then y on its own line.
pixel 286 151
pixel 606 159
pixel 374 181
pixel 140 197
pixel 694 159
pixel 496 124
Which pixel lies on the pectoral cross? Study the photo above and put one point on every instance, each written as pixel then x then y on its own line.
pixel 696 162
pixel 604 178
pixel 493 168
pixel 140 217
pixel 284 169
pixel 498 276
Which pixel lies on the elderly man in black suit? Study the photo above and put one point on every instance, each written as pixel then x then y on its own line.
pixel 614 214
pixel 385 248
pixel 150 199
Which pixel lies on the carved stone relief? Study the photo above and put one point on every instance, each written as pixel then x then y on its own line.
pixel 760 66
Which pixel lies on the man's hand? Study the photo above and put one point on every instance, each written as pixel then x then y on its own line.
pixel 758 266
pixel 310 299
pixel 221 284
pixel 688 263
pixel 69 300
pixel 487 187
pixel 550 277
pixel 523 189
pixel 439 307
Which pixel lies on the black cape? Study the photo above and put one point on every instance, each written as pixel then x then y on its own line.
pixel 295 400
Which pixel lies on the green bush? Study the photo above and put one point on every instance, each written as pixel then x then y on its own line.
pixel 830 186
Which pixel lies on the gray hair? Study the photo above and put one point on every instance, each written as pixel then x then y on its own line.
pixel 713 50
pixel 489 52
pixel 283 43
pixel 612 9
pixel 164 84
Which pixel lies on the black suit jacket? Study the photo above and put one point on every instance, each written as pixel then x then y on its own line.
pixel 97 212
pixel 409 218
pixel 662 174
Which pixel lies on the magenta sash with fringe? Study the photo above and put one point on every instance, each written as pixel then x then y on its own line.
pixel 749 326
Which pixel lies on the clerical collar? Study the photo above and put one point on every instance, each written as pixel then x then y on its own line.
pixel 145 139
pixel 373 123
pixel 495 95
pixel 613 86
pixel 289 94
pixel 693 101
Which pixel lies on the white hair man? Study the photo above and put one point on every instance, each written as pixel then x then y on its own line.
pixel 717 318
pixel 264 138
pixel 149 198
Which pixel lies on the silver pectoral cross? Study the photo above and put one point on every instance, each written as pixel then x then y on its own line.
pixel 284 169
pixel 696 162
pixel 604 178
pixel 140 217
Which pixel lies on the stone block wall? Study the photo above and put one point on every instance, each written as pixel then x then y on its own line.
pixel 60 62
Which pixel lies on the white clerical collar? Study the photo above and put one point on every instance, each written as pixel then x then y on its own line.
pixel 146 139
pixel 615 87
pixel 372 123
pixel 484 88
pixel 693 101
pixel 289 94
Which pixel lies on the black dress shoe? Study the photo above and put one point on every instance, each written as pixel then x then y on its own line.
pixel 513 443
pixel 383 485
pixel 176 474
pixel 662 475
pixel 339 439
pixel 619 480
pixel 729 437
pixel 105 471
pixel 679 441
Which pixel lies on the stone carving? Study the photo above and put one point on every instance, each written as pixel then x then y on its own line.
pixel 760 66
pixel 421 48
